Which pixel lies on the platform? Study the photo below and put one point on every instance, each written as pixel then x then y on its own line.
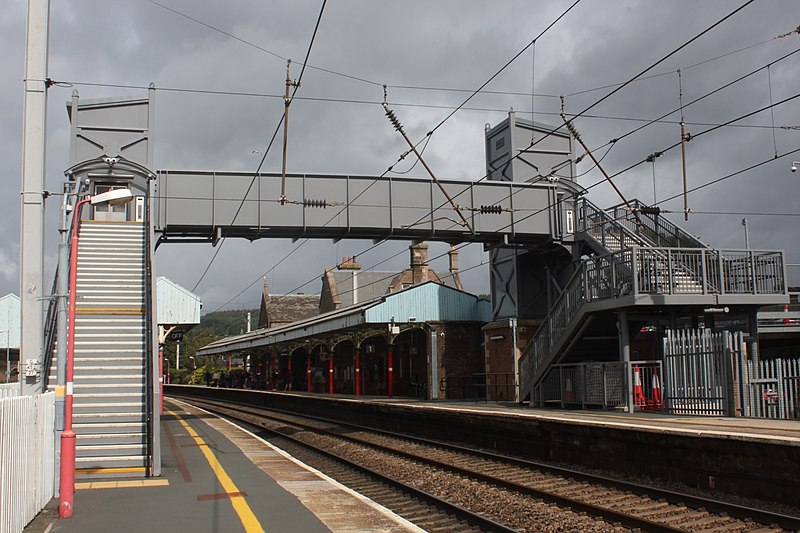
pixel 218 477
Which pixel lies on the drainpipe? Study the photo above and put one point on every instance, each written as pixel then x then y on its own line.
pixel 61 332
pixel 512 324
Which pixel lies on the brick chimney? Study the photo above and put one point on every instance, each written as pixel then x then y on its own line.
pixel 453 255
pixel 419 262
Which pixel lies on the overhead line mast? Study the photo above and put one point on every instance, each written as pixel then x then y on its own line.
pixel 287 100
pixel 684 138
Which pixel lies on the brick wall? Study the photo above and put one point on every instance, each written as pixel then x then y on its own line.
pixel 499 356
pixel 459 353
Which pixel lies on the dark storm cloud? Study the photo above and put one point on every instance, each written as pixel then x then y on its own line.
pixel 445 44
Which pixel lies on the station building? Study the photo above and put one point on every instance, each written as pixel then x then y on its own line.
pixel 376 333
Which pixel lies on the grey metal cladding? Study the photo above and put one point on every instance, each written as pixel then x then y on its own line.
pixel 195 204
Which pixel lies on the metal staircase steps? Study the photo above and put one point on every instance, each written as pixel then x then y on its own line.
pixel 634 262
pixel 110 383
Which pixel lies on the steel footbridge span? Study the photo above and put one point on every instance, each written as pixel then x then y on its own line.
pixel 203 206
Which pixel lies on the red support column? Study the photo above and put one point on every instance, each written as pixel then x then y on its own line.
pixel 358 371
pixel 391 372
pixel 308 373
pixel 67 470
pixel 330 372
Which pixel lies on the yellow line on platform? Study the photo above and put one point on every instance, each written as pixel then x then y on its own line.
pixel 133 483
pixel 109 311
pixel 246 516
pixel 117 470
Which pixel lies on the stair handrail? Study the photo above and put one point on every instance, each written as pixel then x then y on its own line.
pixel 50 327
pixel 597 278
pixel 51 319
pixel 624 273
pixel 591 216
pixel 654 227
pixel 149 354
pixel 619 223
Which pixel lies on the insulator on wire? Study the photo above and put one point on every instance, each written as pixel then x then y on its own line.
pixel 647 210
pixel 310 202
pixel 491 209
pixel 393 118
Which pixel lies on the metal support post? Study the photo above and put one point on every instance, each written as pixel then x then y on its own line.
pixel 61 332
pixel 330 372
pixel 512 323
pixel 34 127
pixel 358 371
pixel 308 371
pixel 625 354
pixel 390 377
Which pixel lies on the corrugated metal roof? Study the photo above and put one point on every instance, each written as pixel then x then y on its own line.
pixel 427 302
pixel 10 313
pixel 175 304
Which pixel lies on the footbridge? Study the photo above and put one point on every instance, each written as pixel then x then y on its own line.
pixel 204 206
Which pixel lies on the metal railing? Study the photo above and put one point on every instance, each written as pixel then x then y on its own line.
pixel 150 351
pixel 611 233
pixel 774 388
pixel 651 226
pixel 27 468
pixel 652 271
pixel 598 385
pixel 484 387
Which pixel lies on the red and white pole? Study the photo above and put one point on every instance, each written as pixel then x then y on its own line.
pixel 330 372
pixel 358 371
pixel 308 372
pixel 391 372
pixel 67 481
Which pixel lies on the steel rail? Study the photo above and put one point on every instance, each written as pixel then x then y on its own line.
pixel 740 512
pixel 577 506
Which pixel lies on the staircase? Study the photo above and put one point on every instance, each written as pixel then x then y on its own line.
pixel 110 393
pixel 644 262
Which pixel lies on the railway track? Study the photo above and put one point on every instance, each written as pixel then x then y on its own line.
pixel 470 485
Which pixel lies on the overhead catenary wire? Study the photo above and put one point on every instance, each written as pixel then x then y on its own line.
pixel 646 70
pixel 272 140
pixel 448 89
pixel 256 46
pixel 461 246
pixel 620 87
pixel 713 127
pixel 212 92
pixel 696 135
pixel 506 65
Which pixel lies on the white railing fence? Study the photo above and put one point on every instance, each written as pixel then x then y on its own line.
pixel 8 390
pixel 27 470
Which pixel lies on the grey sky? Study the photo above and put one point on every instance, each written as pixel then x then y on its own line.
pixel 338 126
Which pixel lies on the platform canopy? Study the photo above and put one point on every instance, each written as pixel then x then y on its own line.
pixel 417 305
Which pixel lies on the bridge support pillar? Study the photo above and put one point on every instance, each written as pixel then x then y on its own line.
pixel 625 353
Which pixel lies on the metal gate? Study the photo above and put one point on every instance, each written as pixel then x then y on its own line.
pixel 700 371
pixel 773 389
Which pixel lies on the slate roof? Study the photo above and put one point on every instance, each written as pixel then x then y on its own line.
pixel 286 308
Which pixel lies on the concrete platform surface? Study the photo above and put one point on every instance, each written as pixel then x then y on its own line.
pixel 217 477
